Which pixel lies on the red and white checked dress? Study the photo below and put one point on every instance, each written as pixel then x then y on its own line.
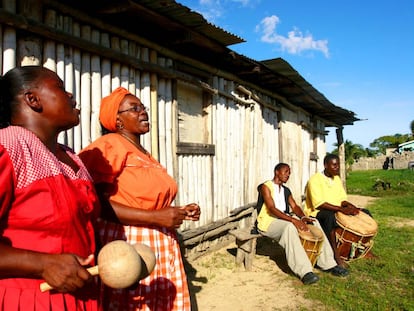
pixel 44 206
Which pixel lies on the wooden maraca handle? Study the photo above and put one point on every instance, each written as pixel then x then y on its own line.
pixel 120 264
pixel 45 286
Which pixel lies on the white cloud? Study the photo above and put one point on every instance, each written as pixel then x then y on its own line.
pixel 295 42
pixel 211 10
pixel 206 2
pixel 214 10
pixel 221 2
pixel 242 2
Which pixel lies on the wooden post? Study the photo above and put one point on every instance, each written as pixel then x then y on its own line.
pixel 77 65
pixel 169 131
pixel 154 109
pixel 106 68
pixel 1 51
pixel 146 97
pixel 68 69
pixel 60 71
pixel 86 86
pixel 96 88
pixel 9 49
pixel 341 154
pixel 9 40
pixel 116 66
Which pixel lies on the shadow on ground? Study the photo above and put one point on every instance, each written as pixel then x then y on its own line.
pixel 270 248
pixel 192 279
pixel 266 247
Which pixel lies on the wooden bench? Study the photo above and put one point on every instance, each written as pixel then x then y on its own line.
pixel 246 246
pixel 246 240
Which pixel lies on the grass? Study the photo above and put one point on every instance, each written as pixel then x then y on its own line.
pixel 385 283
pixel 370 182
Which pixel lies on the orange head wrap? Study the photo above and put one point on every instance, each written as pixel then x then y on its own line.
pixel 109 108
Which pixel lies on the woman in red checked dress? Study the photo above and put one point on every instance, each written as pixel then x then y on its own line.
pixel 47 202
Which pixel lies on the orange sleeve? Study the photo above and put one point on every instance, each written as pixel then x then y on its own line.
pixel 104 159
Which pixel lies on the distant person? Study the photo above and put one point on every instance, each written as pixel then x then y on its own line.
pixel 276 222
pixel 326 195
pixel 386 163
pixel 139 194
pixel 48 205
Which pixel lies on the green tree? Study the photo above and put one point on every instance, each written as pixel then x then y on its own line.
pixel 371 152
pixel 412 127
pixel 384 142
pixel 352 152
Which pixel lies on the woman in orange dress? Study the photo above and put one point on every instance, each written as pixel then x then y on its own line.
pixel 140 193
pixel 48 204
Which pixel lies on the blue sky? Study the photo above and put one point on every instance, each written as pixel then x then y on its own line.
pixel 359 54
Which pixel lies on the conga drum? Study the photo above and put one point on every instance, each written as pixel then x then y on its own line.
pixel 312 242
pixel 354 236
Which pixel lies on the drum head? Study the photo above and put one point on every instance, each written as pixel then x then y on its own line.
pixel 361 223
pixel 314 234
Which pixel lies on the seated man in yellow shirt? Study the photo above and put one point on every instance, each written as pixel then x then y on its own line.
pixel 325 195
pixel 276 222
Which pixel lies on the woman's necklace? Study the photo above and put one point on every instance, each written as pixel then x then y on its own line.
pixel 140 148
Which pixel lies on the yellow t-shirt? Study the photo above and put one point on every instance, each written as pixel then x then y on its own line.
pixel 321 189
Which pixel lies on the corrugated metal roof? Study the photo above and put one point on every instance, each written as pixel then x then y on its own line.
pixel 191 19
pixel 278 76
pixel 164 19
pixel 318 104
pixel 187 33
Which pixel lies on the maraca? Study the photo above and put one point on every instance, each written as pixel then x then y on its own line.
pixel 148 259
pixel 119 265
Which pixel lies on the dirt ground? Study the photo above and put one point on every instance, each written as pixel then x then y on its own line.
pixel 217 284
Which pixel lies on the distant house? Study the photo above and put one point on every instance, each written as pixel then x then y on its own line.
pixel 407 146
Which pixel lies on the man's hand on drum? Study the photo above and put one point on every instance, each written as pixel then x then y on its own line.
pixel 349 208
pixel 307 220
pixel 300 224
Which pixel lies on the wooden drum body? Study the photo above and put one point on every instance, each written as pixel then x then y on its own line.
pixel 312 242
pixel 354 236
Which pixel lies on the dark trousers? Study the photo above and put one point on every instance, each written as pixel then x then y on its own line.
pixel 328 222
